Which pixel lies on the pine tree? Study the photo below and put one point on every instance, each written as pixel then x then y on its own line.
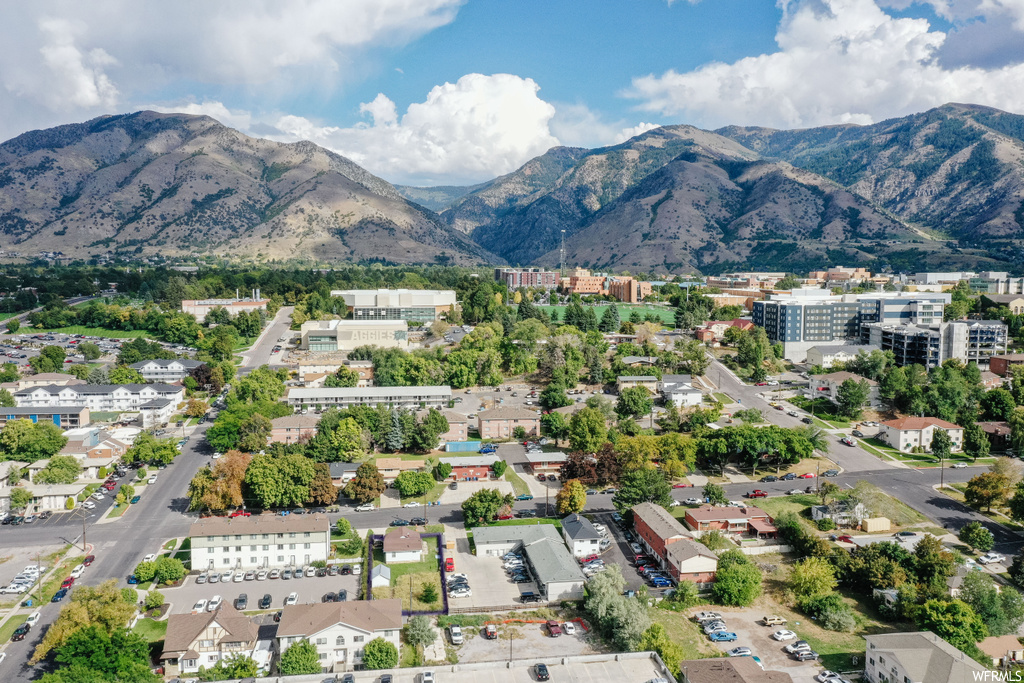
pixel 610 320
pixel 396 437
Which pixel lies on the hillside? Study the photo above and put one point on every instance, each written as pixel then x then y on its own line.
pixel 180 184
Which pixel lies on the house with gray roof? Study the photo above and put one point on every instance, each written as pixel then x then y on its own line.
pixel 580 535
pixel 165 370
pixel 558 575
pixel 917 657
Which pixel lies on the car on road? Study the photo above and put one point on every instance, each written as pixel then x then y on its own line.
pixel 740 652
pixel 151 480
pixel 848 441
pixel 135 499
pixel 958 465
pixel 830 473
pixel 789 476
pixel 240 513
pixel 215 602
pixel 807 475
pixel 767 479
pixel 59 595
pixel 541 671
pixel 366 507
pixel 293 598
pixel 991 558
pixel 806 420
pixel 794 492
pixel 399 522
pixel 526 496
pixel 78 571
pixel 792 413
pixel 413 505
pixel 783 635
pixel 859 434
pixel 845 538
pixel 89 559
pixel 723 637
pixel 21 632
pixel 149 558
pixel 756 493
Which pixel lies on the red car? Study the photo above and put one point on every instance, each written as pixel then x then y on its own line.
pixel 808 475
pixel 505 516
pixel 757 493
pixel 449 564
pixel 681 486
pixel 240 513
pixel 845 539
pixel 89 559
pixel 762 384
pixel 588 558
pixel 67 582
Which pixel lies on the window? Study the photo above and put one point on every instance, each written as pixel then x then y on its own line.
pixel 189 663
pixel 291 534
pixel 323 655
pixel 357 639
pixel 238 537
pixel 389 634
pixel 227 560
pixel 291 546
pixel 340 640
pixel 280 546
pixel 252 547
pixel 252 560
pixel 305 534
pixel 238 548
pixel 306 546
pixel 321 641
pixel 265 536
pixel 280 558
pixel 226 549
pixel 205 643
pixel 252 537
pixel 266 547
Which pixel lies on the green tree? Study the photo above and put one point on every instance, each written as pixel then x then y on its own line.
pixel 125 375
pixel 976 443
pixel 121 655
pixel 103 606
pixel 410 483
pixel 610 320
pixel 419 632
pixel 634 402
pixel 20 498
pixel 154 599
pixel 1002 611
pixel 253 433
pixel 281 481
pixel 954 621
pixel 737 581
pixel 61 469
pixel 322 490
pixel 553 396
pixel 300 658
pixel 714 494
pixel 499 467
pixel 812 576
pixel 942 444
pixel 6 399
pixel 642 486
pixel 851 397
pixel 998 404
pixel 428 595
pixel 89 350
pixel 571 498
pixel 442 471
pixel 13 325
pixel 977 536
pixel 230 668
pixel 380 654
pixel 366 485
pixel 656 639
pixel 985 490
pixel 484 505
pixel 344 377
pixel 346 440
pixel 587 430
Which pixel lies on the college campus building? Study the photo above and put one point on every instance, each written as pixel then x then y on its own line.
pixel 421 305
pixel 346 397
pixel 344 335
pixel 163 370
pixel 99 397
pixel 200 307
pixel 340 630
pixel 514 278
pixel 259 541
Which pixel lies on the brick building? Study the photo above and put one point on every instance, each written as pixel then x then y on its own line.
pixel 500 423
pixel 471 468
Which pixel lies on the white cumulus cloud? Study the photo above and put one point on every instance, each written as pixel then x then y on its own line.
pixel 838 61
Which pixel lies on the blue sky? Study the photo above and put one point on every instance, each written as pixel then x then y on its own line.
pixel 458 91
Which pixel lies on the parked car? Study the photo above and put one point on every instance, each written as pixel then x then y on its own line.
pixel 958 465
pixel 805 656
pixel 21 632
pixel 991 558
pixel 769 479
pixel 797 646
pixel 783 635
pixel 756 493
pixel 554 630
pixel 830 473
pixel 265 601
pixel 215 602
pixel 455 634
pixel 740 652
pixel 541 671
pixel 707 616
pixel 723 636
pixel 293 598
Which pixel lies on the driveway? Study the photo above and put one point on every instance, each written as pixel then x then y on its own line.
pixel 487 579
pixel 619 553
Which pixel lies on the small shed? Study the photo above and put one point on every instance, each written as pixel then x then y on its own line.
pixel 380 577
pixel 875 524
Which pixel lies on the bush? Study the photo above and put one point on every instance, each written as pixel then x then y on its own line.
pixel 838 620
pixel 343 526
pixel 70 504
pixel 154 599
pixel 825 524
pixel 380 654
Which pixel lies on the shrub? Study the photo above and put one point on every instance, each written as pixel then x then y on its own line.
pixel 70 504
pixel 825 524
pixel 838 620
pixel 154 599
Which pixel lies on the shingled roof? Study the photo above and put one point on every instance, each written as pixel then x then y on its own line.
pixel 184 629
pixel 364 615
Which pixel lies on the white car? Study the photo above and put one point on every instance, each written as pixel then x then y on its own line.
pixel 239 577
pixel 828 676
pixel 569 628
pixel 215 602
pixel 151 480
pixel 798 646
pixel 261 575
pixel 89 505
pixel 366 507
pixel 216 456
pixel 783 635
pixel 413 505
pixel 226 576
pixel 311 571
pixel 455 633
pixel 199 606
pixel 693 501
pixel 991 558
pixel 291 599
pixel 32 619
pixel 78 571
pixel 461 593
pixel 955 466
pixel 97 496
pixel 149 558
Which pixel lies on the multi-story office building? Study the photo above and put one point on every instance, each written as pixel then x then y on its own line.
pixel 396 397
pixel 587 284
pixel 200 307
pixel 423 305
pixel 514 278
pixel 345 335
pixel 810 319
pixel 970 341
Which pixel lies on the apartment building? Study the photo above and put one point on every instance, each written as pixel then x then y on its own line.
pixel 202 639
pixel 165 370
pixel 906 433
pixel 500 423
pixel 345 397
pixel 918 657
pixel 43 379
pixel 259 541
pixel 969 341
pixel 293 428
pixel 340 630
pixel 99 397
pixel 587 284
pixel 422 305
pixel 514 278
pixel 65 417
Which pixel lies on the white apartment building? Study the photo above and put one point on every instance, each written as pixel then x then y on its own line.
pixel 99 397
pixel 917 657
pixel 340 630
pixel 164 370
pixel 345 397
pixel 259 541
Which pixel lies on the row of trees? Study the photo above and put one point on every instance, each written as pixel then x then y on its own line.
pixel 261 481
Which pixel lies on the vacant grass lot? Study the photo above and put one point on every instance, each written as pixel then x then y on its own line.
pixel 685 633
pixel 93 332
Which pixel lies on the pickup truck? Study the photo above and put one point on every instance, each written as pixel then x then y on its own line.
pixel 491 632
pixel 773 621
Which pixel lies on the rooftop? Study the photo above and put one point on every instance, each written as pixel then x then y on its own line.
pixel 369 392
pixel 579 528
pixel 660 521
pixel 556 456
pixel 507 413
pixel 295 421
pixel 708 513
pixel 258 524
pixel 924 656
pixel 684 549
pixel 183 629
pixel 364 615
pixel 551 561
pixel 904 423
pixel 471 460
pixel 167 362
pixel 523 534
pixel 843 375
pixel 731 670
pixel 103 388
pixel 637 378
pixel 402 540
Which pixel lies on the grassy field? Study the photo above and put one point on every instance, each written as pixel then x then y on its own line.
pixel 7 630
pixel 776 505
pixel 823 409
pixel 430 496
pixel 685 633
pixel 518 485
pixel 883 450
pixel 411 576
pixel 667 314
pixel 997 514
pixel 92 332
pixel 528 521
pixel 153 631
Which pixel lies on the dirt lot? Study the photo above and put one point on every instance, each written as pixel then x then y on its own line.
pixel 533 641
pixel 487 579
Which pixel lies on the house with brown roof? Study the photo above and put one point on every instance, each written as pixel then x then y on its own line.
pixel 293 428
pixel 340 630
pixel 657 529
pixel 43 379
pixel 828 385
pixel 730 519
pixel 691 561
pixel 501 422
pixel 1001 363
pixel 649 382
pixel 998 434
pixel 204 638
pixel 1004 650
pixel 907 433
pixel 390 468
pixel 403 544
pixel 458 425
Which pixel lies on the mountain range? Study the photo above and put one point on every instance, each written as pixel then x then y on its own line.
pixel 944 188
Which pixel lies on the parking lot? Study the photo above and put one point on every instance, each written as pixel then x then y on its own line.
pixel 746 624
pixel 309 589
pixel 490 584
pixel 619 553
pixel 533 640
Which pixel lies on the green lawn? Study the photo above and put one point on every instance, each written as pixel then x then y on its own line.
pixel 117 510
pixel 518 485
pixel 528 521
pixel 776 505
pixel 93 332
pixel 430 496
pixel 667 314
pixel 724 399
pixel 823 409
pixel 100 416
pixel 685 633
pixel 153 631
pixel 7 630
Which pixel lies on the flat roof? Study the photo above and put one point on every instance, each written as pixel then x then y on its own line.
pixel 258 524
pixel 557 456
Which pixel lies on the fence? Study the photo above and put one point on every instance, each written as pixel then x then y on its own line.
pixel 766 549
